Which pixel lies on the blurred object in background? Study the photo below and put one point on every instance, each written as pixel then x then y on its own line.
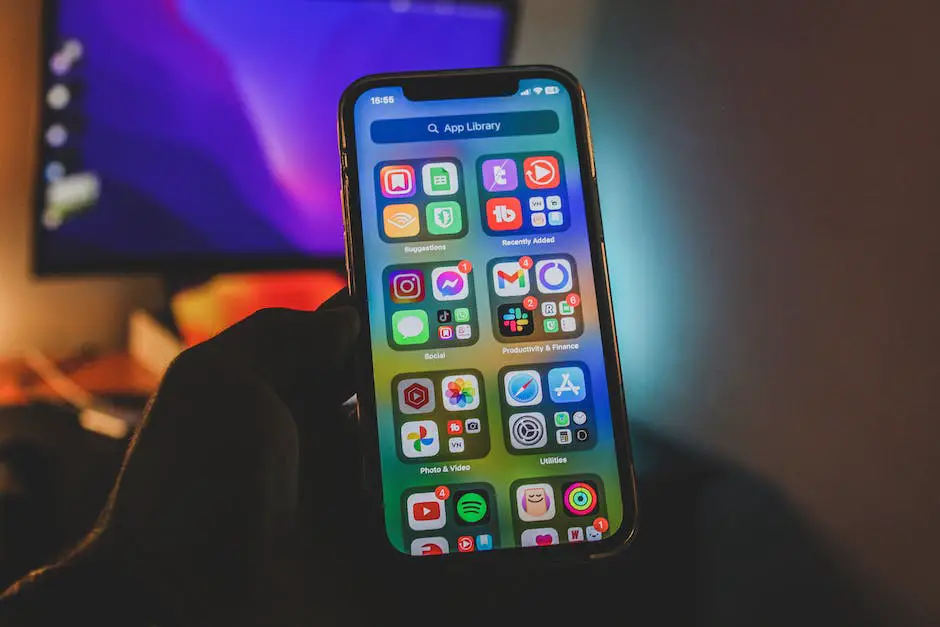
pixel 203 311
pixel 112 375
pixel 198 135
pixel 198 312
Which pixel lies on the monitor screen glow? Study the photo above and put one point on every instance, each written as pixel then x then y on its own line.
pixel 201 134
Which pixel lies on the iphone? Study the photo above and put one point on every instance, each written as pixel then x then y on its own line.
pixel 490 390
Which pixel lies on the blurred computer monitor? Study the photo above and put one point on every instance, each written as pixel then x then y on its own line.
pixel 200 135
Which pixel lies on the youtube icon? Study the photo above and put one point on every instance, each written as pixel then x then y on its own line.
pixel 425 511
pixel 541 172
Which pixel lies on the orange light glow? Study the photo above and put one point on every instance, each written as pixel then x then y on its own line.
pixel 203 311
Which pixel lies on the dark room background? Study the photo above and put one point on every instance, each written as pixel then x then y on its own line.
pixel 771 171
pixel 770 180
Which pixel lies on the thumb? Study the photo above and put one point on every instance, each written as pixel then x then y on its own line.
pixel 304 356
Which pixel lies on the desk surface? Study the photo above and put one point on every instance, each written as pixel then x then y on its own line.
pixel 113 373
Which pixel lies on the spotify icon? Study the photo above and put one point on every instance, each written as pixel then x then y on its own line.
pixel 473 507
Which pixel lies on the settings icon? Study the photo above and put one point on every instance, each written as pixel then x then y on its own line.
pixel 527 430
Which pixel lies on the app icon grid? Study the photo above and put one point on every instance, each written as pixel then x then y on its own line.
pixel 451 405
pixel 499 465
pixel 427 212
pixel 430 306
pixel 502 182
pixel 531 426
pixel 577 501
pixel 552 317
pixel 470 511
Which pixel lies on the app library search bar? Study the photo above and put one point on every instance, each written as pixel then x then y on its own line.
pixel 448 127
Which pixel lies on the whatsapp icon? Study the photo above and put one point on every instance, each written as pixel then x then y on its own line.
pixel 472 507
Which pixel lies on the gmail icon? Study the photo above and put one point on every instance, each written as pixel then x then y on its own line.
pixel 510 279
pixel 397 181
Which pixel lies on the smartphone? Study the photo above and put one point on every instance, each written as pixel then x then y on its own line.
pixel 490 392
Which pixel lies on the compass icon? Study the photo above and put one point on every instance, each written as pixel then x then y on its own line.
pixel 523 387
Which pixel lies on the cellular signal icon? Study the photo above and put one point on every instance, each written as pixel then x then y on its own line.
pixel 525 92
pixel 537 90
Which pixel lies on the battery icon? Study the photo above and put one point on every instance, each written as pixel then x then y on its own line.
pixel 552 89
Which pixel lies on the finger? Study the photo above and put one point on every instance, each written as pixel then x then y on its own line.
pixel 302 355
pixel 341 298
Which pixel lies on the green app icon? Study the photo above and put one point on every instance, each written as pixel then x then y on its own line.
pixel 440 179
pixel 410 327
pixel 562 419
pixel 472 507
pixel 462 314
pixel 565 309
pixel 551 325
pixel 444 218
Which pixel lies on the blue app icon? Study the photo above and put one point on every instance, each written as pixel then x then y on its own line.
pixel 484 542
pixel 566 385
pixel 523 387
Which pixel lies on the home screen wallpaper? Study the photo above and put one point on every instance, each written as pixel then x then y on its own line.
pixel 495 426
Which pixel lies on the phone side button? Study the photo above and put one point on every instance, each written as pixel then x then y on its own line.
pixel 587 130
pixel 342 201
pixel 347 245
pixel 346 242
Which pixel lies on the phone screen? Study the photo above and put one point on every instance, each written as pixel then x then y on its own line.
pixel 495 424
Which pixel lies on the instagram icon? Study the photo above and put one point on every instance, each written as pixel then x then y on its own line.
pixel 406 286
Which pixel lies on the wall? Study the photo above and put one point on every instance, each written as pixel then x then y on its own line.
pixel 58 315
pixel 556 32
pixel 769 174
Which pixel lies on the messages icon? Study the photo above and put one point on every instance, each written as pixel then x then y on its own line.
pixel 410 327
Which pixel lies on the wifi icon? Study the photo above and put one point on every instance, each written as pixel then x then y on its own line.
pixel 537 90
pixel 472 507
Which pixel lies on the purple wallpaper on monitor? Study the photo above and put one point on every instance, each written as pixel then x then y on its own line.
pixel 212 124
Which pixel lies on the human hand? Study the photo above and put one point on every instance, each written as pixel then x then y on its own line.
pixel 219 509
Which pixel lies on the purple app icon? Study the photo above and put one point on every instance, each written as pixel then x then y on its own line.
pixel 500 175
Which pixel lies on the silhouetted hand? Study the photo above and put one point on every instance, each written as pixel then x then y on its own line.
pixel 241 476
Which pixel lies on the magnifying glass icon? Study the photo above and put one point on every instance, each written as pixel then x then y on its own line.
pixel 432 128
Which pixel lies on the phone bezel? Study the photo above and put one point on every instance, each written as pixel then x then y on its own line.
pixel 484 82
